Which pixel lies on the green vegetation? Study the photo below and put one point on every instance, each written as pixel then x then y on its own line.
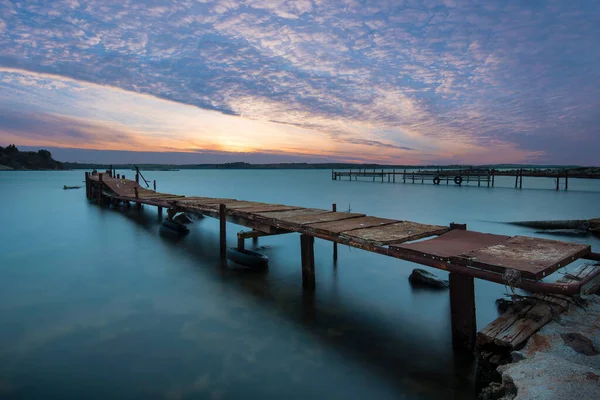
pixel 12 158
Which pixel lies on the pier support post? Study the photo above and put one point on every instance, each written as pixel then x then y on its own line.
pixel 223 230
pixel 307 251
pixel 334 209
pixel 521 180
pixel 462 312
pixel 241 243
pixel 155 185
pixel 567 180
pixel 404 177
pixel 160 212
pixel 99 191
pixel 87 185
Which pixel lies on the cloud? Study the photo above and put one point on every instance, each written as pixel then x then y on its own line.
pixel 452 73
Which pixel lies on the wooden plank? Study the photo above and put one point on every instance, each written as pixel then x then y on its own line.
pixel 453 243
pixel 534 258
pixel 399 232
pixel 320 217
pixel 280 215
pixel 513 328
pixel 346 225
pixel 267 208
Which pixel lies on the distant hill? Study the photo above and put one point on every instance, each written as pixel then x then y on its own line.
pixel 12 158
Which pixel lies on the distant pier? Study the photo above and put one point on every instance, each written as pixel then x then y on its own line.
pixel 479 176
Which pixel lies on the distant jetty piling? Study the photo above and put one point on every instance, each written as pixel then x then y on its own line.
pixel 518 261
pixel 482 176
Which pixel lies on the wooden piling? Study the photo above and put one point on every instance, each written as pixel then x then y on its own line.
pixel 521 179
pixel 155 185
pixel 404 177
pixel 394 172
pixel 517 179
pixel 557 183
pixel 307 251
pixel 99 191
pixel 87 185
pixel 335 250
pixel 382 176
pixel 241 242
pixel 462 312
pixel 493 178
pixel 373 174
pixel 567 180
pixel 223 230
pixel 160 212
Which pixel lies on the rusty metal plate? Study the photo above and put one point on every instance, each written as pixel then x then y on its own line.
pixel 534 258
pixel 452 244
pixel 399 232
pixel 320 217
pixel 279 215
pixel 345 225
pixel 268 208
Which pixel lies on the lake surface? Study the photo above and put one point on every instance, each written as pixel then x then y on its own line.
pixel 96 304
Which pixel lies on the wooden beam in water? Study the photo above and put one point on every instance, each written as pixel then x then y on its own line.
pixel 462 312
pixel 307 251
pixel 99 194
pixel 335 249
pixel 223 230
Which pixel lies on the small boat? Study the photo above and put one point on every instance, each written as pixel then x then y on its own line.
pixel 65 187
pixel 174 227
pixel 247 258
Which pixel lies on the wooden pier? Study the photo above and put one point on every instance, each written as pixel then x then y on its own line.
pixel 480 176
pixel 517 261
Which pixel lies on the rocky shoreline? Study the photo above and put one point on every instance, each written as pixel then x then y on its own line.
pixel 560 362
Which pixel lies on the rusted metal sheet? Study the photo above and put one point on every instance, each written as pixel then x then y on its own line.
pixel 280 215
pixel 338 227
pixel 320 217
pixel 399 232
pixel 453 243
pixel 534 258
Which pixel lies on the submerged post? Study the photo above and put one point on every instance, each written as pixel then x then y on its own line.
pixel 404 177
pixel 334 209
pixel 223 230
pixel 155 185
pixel 558 183
pixel 307 252
pixel 160 212
pixel 567 180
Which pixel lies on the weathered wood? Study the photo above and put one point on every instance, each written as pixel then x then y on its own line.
pixel 462 312
pixel 223 230
pixel 335 248
pixel 512 329
pixel 307 252
pixel 100 184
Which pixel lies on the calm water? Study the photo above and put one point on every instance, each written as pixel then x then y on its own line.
pixel 95 304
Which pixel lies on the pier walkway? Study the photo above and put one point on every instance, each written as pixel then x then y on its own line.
pixel 517 261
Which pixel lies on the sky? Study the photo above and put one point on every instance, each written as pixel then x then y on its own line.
pixel 391 82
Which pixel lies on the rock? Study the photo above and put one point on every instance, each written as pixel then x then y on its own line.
pixel 517 356
pixel 182 219
pixel 422 277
